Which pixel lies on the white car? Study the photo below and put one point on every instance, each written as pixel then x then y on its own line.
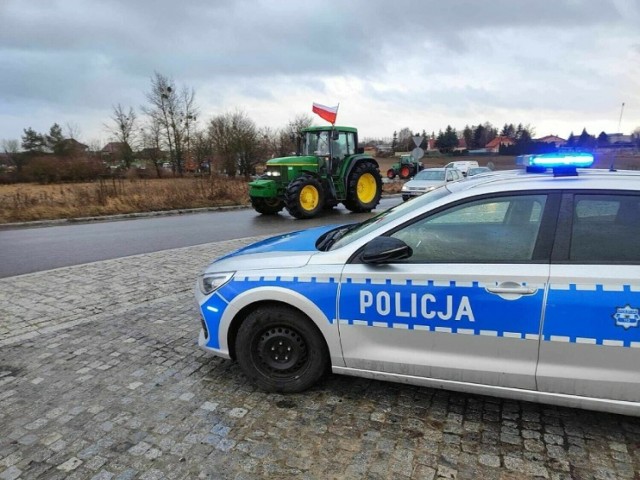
pixel 427 180
pixel 462 165
pixel 520 284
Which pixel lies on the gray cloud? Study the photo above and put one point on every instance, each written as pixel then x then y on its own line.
pixel 83 56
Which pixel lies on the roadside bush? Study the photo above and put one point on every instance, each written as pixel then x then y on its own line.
pixel 51 169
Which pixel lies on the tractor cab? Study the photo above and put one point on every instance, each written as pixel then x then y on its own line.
pixel 330 145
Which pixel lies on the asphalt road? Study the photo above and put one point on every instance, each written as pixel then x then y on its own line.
pixel 26 250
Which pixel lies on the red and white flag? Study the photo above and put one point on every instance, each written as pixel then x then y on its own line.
pixel 327 113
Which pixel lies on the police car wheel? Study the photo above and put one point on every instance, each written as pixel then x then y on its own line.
pixel 280 350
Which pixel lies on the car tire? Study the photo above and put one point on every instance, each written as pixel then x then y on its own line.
pixel 304 197
pixel 405 197
pixel 267 206
pixel 281 350
pixel 364 187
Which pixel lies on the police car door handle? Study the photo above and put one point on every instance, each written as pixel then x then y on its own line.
pixel 512 288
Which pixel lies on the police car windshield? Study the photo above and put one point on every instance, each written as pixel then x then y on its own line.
pixel 388 216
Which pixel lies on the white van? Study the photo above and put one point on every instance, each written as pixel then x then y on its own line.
pixel 462 165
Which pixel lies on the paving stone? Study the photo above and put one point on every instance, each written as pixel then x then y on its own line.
pixel 101 379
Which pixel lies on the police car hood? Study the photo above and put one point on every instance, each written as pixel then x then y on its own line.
pixel 283 251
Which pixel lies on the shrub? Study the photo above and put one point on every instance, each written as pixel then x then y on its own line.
pixel 50 169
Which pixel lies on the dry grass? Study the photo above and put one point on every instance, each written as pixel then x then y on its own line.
pixel 24 202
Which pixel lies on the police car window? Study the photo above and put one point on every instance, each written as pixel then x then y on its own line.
pixel 606 228
pixel 503 229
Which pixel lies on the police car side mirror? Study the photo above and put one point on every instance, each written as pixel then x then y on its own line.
pixel 385 250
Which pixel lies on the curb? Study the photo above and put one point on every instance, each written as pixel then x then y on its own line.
pixel 121 216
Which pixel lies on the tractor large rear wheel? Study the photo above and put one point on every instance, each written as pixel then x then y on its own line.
pixel 406 171
pixel 364 187
pixel 267 206
pixel 304 197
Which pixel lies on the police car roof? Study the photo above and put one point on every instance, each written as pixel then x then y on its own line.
pixel 513 180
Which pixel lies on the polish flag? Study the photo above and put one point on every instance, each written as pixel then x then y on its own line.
pixel 327 113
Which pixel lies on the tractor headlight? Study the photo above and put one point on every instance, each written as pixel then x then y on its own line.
pixel 210 282
pixel 273 173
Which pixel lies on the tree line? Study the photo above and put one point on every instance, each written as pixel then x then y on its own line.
pixel 168 129
pixel 478 136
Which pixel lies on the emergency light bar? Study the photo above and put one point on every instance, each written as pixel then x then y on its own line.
pixel 556 160
pixel 562 164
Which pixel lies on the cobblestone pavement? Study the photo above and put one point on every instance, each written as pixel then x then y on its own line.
pixel 100 378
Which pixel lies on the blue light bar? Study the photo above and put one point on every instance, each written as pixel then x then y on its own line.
pixel 556 160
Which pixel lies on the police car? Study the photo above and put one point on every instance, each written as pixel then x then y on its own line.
pixel 522 284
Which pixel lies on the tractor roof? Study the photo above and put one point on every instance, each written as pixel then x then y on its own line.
pixel 326 128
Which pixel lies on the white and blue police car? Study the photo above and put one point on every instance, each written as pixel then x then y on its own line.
pixel 522 284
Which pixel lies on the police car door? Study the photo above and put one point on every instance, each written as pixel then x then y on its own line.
pixel 466 306
pixel 591 328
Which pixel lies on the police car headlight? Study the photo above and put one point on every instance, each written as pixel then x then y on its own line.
pixel 210 282
pixel 404 188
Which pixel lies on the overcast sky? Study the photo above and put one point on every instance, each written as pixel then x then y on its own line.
pixel 558 65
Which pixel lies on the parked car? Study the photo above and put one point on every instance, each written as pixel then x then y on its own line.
pixel 427 180
pixel 477 171
pixel 519 284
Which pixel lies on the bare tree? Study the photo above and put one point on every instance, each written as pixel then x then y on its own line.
pixel 234 138
pixel 636 136
pixel 300 122
pixel 73 130
pixel 405 140
pixel 176 112
pixel 285 140
pixel 12 151
pixel 124 130
pixel 202 149
pixel 152 144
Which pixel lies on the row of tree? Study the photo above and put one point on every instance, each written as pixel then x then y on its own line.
pixel 167 129
pixel 475 136
pixel 478 136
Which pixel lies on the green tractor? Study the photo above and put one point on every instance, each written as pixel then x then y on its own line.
pixel 329 169
pixel 407 167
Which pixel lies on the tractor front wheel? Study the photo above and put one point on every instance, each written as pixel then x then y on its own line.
pixel 304 197
pixel 267 206
pixel 364 187
pixel 391 174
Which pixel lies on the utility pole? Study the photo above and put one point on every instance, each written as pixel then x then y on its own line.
pixel 620 120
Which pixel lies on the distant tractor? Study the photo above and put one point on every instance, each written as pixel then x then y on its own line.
pixel 407 167
pixel 328 169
